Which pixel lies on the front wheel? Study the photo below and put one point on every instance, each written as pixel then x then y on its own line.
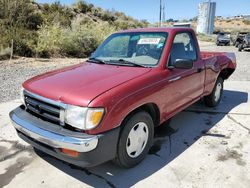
pixel 214 98
pixel 135 140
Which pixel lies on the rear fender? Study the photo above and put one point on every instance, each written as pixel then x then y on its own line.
pixel 217 64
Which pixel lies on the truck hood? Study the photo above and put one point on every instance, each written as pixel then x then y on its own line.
pixel 80 84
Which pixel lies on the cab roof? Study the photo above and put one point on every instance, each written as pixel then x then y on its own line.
pixel 158 29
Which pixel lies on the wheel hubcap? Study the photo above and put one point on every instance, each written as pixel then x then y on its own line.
pixel 137 139
pixel 218 92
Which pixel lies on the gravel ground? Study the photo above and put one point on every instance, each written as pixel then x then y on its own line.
pixel 14 73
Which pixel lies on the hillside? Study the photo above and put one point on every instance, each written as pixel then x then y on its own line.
pixel 230 25
pixel 47 30
pixel 227 25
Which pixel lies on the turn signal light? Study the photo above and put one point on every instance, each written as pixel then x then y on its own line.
pixel 69 152
pixel 95 117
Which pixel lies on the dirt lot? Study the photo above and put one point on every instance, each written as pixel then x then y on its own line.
pixel 15 72
pixel 201 147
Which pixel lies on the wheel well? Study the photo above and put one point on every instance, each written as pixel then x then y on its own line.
pixel 225 73
pixel 151 108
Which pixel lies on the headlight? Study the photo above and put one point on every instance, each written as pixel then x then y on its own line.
pixel 82 117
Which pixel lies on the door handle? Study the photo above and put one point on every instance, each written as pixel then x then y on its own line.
pixel 175 79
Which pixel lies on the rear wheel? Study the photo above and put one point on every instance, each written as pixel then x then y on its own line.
pixel 135 140
pixel 236 44
pixel 240 47
pixel 214 98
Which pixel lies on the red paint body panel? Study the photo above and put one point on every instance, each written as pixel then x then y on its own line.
pixel 121 89
pixel 78 85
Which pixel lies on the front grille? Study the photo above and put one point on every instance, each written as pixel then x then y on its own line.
pixel 42 109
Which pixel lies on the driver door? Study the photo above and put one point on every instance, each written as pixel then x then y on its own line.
pixel 184 85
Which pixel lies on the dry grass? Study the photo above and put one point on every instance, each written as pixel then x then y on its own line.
pixel 206 38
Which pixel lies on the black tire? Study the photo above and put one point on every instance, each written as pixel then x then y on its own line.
pixel 122 158
pixel 213 100
pixel 240 47
pixel 237 44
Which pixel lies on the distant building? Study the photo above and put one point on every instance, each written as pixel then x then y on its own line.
pixel 247 16
pixel 206 17
pixel 219 17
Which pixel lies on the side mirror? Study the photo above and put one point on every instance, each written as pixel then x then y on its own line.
pixel 183 64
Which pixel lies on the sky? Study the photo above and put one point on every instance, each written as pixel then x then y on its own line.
pixel 176 9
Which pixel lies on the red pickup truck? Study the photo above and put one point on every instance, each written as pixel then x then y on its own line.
pixel 108 107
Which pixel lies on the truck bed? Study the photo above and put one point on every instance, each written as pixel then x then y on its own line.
pixel 223 59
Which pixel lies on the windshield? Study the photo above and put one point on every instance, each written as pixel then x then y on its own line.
pixel 130 49
pixel 224 35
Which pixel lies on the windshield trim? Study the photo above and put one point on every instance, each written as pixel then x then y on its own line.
pixel 129 33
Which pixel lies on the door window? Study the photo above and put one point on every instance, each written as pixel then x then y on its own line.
pixel 183 48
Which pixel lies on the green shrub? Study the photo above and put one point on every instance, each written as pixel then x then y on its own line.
pixel 206 38
pixel 82 40
pixel 57 13
pixel 49 40
pixel 24 41
pixel 56 30
pixel 247 22
pixel 79 40
pixel 22 48
pixel 34 21
pixel 108 16
pixel 4 52
pixel 83 7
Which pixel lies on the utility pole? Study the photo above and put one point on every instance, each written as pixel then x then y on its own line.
pixel 160 18
pixel 163 13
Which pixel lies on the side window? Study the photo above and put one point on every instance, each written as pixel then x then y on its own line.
pixel 183 48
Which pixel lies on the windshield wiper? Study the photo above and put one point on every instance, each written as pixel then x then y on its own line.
pixel 95 60
pixel 123 61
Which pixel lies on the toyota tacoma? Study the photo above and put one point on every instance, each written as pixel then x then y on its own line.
pixel 107 108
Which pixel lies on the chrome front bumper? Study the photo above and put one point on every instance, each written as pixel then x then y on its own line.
pixel 28 125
